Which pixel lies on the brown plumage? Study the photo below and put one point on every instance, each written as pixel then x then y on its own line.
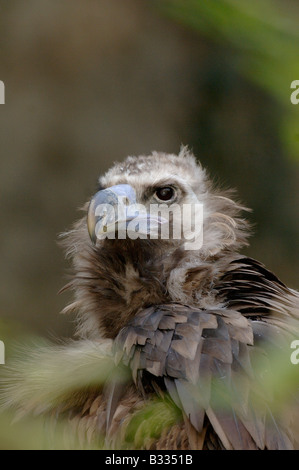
pixel 193 328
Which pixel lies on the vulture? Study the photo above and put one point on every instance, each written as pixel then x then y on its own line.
pixel 196 336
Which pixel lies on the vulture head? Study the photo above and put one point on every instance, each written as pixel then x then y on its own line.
pixel 118 272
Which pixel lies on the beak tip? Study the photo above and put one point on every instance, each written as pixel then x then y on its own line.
pixel 91 222
pixel 93 239
pixel 92 234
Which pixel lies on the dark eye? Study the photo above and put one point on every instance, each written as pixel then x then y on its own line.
pixel 165 194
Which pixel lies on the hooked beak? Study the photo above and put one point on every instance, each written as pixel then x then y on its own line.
pixel 108 210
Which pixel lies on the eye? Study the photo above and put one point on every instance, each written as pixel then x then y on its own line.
pixel 165 194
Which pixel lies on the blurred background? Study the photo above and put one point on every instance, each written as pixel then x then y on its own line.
pixel 89 82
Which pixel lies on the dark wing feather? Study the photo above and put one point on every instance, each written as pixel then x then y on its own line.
pixel 248 287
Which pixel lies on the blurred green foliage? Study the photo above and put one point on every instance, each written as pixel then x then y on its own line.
pixel 28 434
pixel 45 378
pixel 263 36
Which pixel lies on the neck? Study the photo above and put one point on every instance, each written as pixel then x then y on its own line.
pixel 125 276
